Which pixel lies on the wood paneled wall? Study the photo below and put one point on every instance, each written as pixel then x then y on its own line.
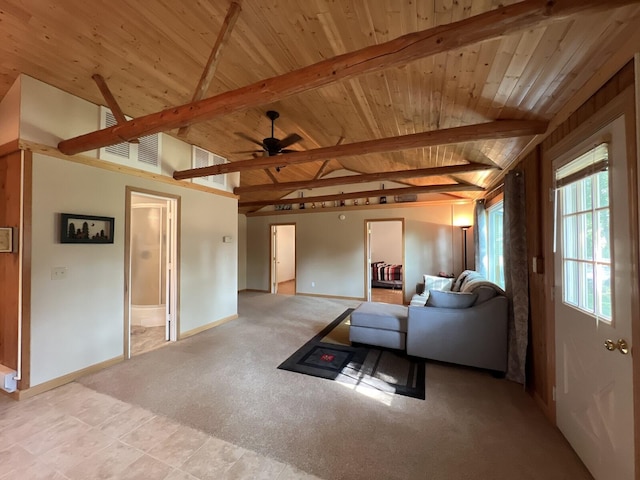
pixel 539 181
pixel 13 300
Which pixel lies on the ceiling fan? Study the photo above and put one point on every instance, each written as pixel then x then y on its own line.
pixel 272 146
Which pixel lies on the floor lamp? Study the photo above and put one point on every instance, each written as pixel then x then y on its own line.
pixel 464 242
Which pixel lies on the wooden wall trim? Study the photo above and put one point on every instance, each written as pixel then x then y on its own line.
pixel 25 245
pixel 63 380
pixel 195 331
pixel 9 147
pixel 113 167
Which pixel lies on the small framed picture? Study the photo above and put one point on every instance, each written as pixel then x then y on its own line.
pixel 6 239
pixel 75 228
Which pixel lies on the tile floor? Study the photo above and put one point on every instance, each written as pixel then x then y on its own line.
pixel 75 433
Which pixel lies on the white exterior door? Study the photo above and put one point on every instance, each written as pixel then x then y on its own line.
pixel 594 385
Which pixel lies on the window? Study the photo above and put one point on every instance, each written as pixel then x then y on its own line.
pixel 495 250
pixel 584 232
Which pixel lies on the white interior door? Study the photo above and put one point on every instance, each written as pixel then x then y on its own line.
pixel 594 389
pixel 368 260
pixel 274 259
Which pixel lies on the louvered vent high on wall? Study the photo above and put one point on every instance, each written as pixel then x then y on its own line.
pixel 204 158
pixel 144 155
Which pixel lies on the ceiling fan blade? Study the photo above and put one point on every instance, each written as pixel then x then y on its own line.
pixel 289 140
pixel 252 140
pixel 288 150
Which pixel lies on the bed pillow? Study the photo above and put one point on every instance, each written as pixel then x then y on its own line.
pixel 442 299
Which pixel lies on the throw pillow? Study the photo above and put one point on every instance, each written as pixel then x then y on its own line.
pixel 431 282
pixel 438 298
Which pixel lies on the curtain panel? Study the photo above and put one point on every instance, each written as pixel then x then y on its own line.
pixel 480 237
pixel 516 274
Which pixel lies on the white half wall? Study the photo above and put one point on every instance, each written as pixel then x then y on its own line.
pixel 78 321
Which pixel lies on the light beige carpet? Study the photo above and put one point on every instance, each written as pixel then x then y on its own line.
pixel 225 382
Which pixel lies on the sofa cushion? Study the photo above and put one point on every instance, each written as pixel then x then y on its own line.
pixel 484 293
pixel 384 316
pixel 438 298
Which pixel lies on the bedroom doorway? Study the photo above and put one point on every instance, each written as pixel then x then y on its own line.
pixel 283 259
pixel 385 261
pixel 151 271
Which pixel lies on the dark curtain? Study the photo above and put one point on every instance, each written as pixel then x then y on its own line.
pixel 516 273
pixel 480 237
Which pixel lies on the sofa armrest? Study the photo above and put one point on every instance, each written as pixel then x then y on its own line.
pixel 475 336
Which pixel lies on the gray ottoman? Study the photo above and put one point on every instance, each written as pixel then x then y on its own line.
pixel 380 324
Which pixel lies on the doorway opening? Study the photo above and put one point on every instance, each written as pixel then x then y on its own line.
pixel 385 261
pixel 151 264
pixel 283 259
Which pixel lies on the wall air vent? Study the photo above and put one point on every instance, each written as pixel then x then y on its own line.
pixel 144 155
pixel 203 158
pixel 120 149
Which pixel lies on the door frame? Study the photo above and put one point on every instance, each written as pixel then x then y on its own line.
pixel 625 103
pixel 173 294
pixel 367 251
pixel 273 285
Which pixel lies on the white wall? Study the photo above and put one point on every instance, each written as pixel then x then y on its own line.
pixel 49 115
pixel 79 321
pixel 386 242
pixel 331 252
pixel 286 253
pixel 242 252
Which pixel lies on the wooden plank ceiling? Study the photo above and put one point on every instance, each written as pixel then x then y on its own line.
pixel 152 55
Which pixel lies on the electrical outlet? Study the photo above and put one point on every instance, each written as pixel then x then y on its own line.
pixel 313 284
pixel 58 273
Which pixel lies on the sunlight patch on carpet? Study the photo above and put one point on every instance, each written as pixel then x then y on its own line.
pixel 380 372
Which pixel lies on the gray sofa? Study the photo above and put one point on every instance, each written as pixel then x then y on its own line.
pixel 466 324
pixel 448 330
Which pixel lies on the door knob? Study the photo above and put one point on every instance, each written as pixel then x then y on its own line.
pixel 621 345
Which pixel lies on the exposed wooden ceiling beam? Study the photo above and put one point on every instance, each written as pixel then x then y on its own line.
pixel 372 193
pixel 271 176
pixel 397 52
pixel 468 133
pixel 322 168
pixel 212 63
pixel 325 164
pixel 363 178
pixel 111 101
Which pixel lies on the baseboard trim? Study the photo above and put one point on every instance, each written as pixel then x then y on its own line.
pixel 546 410
pixel 208 326
pixel 319 295
pixel 63 380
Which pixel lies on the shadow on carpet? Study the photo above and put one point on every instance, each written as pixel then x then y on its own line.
pixel 330 355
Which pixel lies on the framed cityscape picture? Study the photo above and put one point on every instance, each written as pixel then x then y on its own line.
pixel 75 228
